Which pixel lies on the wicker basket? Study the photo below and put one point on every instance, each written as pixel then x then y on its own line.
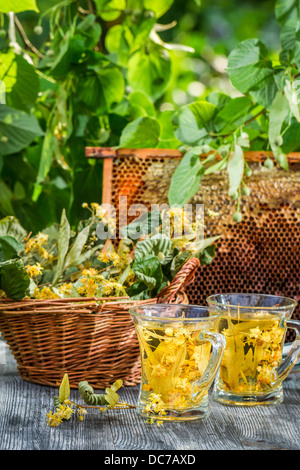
pixel 90 340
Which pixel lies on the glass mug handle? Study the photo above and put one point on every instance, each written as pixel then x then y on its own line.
pixel 218 343
pixel 283 370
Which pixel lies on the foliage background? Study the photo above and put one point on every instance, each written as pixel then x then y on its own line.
pixel 83 79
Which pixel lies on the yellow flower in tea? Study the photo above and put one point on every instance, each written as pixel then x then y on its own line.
pixel 253 349
pixel 172 362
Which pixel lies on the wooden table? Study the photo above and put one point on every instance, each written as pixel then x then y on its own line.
pixel 23 424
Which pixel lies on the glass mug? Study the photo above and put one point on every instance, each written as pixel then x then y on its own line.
pixel 254 325
pixel 181 351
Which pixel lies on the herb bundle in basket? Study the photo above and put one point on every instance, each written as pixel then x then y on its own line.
pixel 65 295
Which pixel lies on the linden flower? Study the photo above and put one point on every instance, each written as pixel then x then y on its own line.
pixel 109 257
pixel 66 288
pixel 107 289
pixel 158 370
pixel 45 293
pixel 156 404
pixel 169 332
pixel 265 375
pixel 35 270
pixel 89 287
pixel 36 244
pixel 64 412
pixel 81 412
pixel 90 272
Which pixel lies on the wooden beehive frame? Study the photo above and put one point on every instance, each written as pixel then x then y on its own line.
pixel 108 154
pixel 260 254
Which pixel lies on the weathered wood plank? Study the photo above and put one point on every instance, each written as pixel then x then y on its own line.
pixel 23 426
pixel 23 408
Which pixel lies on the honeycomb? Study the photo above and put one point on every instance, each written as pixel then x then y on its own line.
pixel 260 254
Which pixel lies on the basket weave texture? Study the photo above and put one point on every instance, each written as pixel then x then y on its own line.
pixel 89 339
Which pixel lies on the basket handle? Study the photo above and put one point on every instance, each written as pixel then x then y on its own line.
pixel 184 277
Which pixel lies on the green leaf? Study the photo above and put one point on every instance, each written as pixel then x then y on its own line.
pixel 141 133
pixel 186 179
pixel 139 98
pixel 286 10
pixel 118 41
pixel 8 69
pixel 159 7
pixel 187 130
pixel 248 66
pixel 292 95
pixel 11 226
pixel 110 10
pixel 10 247
pixel 64 389
pixel 291 138
pixel 25 91
pixel 201 245
pixel 68 51
pixel 179 261
pixel 279 111
pixel 203 111
pixel 290 41
pixel 77 247
pixel 18 5
pixel 233 114
pixel 167 135
pixel 111 397
pixel 102 90
pixel 50 144
pixel 19 128
pixel 208 254
pixel 153 246
pixel 90 29
pixel 149 271
pixel 63 245
pixel 14 280
pixel 6 199
pixel 235 168
pixel 149 72
pixel 138 291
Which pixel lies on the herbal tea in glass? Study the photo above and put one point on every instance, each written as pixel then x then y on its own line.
pixel 180 354
pixel 254 326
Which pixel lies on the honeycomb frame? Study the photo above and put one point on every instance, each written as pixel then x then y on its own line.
pixel 260 254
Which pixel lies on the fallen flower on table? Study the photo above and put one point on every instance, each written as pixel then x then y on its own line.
pixel 110 400
pixel 65 407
